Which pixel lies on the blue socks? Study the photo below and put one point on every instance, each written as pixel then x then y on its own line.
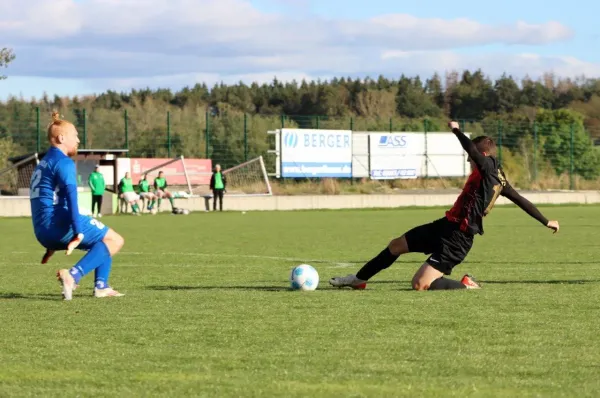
pixel 97 258
pixel 102 273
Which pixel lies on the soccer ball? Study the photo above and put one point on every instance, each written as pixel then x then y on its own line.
pixel 304 277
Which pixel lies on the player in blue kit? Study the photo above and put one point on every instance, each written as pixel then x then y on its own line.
pixel 57 223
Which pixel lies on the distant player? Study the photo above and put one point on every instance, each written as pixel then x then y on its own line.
pixel 97 185
pixel 450 238
pixel 144 189
pixel 161 191
pixel 57 223
pixel 218 184
pixel 127 193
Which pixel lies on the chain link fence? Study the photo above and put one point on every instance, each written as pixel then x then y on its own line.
pixel 534 155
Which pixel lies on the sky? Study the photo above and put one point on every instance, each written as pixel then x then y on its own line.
pixel 79 47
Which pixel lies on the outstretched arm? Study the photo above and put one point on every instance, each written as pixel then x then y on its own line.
pixel 510 193
pixel 468 145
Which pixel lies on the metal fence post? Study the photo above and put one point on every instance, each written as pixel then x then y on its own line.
pixel 425 121
pixel 461 124
pixel 38 130
pixel 535 149
pixel 245 137
pixel 169 133
pixel 500 142
pixel 126 120
pixel 84 128
pixel 572 162
pixel 207 134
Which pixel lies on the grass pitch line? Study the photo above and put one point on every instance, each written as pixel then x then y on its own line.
pixel 254 256
pixel 333 264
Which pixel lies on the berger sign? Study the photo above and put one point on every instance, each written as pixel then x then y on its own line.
pixel 316 153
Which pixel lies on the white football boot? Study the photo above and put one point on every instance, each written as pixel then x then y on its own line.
pixel 68 283
pixel 348 281
pixel 107 292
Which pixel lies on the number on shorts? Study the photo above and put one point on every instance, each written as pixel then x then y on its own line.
pixel 96 223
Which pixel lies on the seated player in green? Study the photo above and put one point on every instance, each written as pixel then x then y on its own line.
pixel 160 189
pixel 144 192
pixel 127 193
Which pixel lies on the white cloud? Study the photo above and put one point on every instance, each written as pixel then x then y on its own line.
pixel 495 64
pixel 147 42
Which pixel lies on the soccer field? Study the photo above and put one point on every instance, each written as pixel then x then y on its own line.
pixel 207 311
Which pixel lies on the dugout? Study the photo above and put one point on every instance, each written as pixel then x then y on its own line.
pixel 85 160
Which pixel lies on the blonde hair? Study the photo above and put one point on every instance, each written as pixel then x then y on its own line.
pixel 56 127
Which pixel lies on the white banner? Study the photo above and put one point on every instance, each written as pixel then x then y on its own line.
pixel 412 155
pixel 397 155
pixel 316 153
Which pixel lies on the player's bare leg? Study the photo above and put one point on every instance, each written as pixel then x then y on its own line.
pixel 159 195
pixel 113 241
pixel 169 196
pixel 424 276
pixel 383 260
pixel 429 278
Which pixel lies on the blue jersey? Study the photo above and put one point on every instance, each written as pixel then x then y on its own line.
pixel 53 190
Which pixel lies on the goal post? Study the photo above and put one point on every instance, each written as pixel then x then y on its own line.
pixel 246 179
pixel 15 179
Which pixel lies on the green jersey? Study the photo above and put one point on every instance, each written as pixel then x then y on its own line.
pixel 144 186
pixel 126 185
pixel 96 183
pixel 219 181
pixel 160 183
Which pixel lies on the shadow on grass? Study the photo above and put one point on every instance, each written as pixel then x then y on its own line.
pixel 418 263
pixel 20 296
pixel 267 288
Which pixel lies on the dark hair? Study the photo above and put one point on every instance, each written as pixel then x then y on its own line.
pixel 485 144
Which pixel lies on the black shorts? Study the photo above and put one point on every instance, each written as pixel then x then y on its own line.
pixel 444 240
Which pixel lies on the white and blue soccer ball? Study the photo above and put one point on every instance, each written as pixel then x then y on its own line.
pixel 304 277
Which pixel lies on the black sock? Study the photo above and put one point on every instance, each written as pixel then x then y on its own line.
pixel 446 284
pixel 379 263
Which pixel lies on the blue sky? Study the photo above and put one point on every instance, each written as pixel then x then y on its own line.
pixel 103 44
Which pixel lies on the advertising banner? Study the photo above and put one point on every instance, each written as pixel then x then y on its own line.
pixel 316 153
pixel 174 171
pixel 396 155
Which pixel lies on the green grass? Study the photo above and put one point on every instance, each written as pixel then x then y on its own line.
pixel 207 311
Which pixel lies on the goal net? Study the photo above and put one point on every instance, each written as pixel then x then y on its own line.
pixel 248 178
pixel 15 178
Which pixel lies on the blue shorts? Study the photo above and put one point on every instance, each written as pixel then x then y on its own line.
pixel 57 234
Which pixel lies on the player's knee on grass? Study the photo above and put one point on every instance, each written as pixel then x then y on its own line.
pixel 424 277
pixel 113 241
pixel 398 246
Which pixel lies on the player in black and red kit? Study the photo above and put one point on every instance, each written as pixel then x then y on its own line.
pixel 450 238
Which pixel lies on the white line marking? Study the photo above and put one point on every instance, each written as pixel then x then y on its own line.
pixel 335 264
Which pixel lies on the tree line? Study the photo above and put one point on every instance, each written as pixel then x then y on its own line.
pixel 557 116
